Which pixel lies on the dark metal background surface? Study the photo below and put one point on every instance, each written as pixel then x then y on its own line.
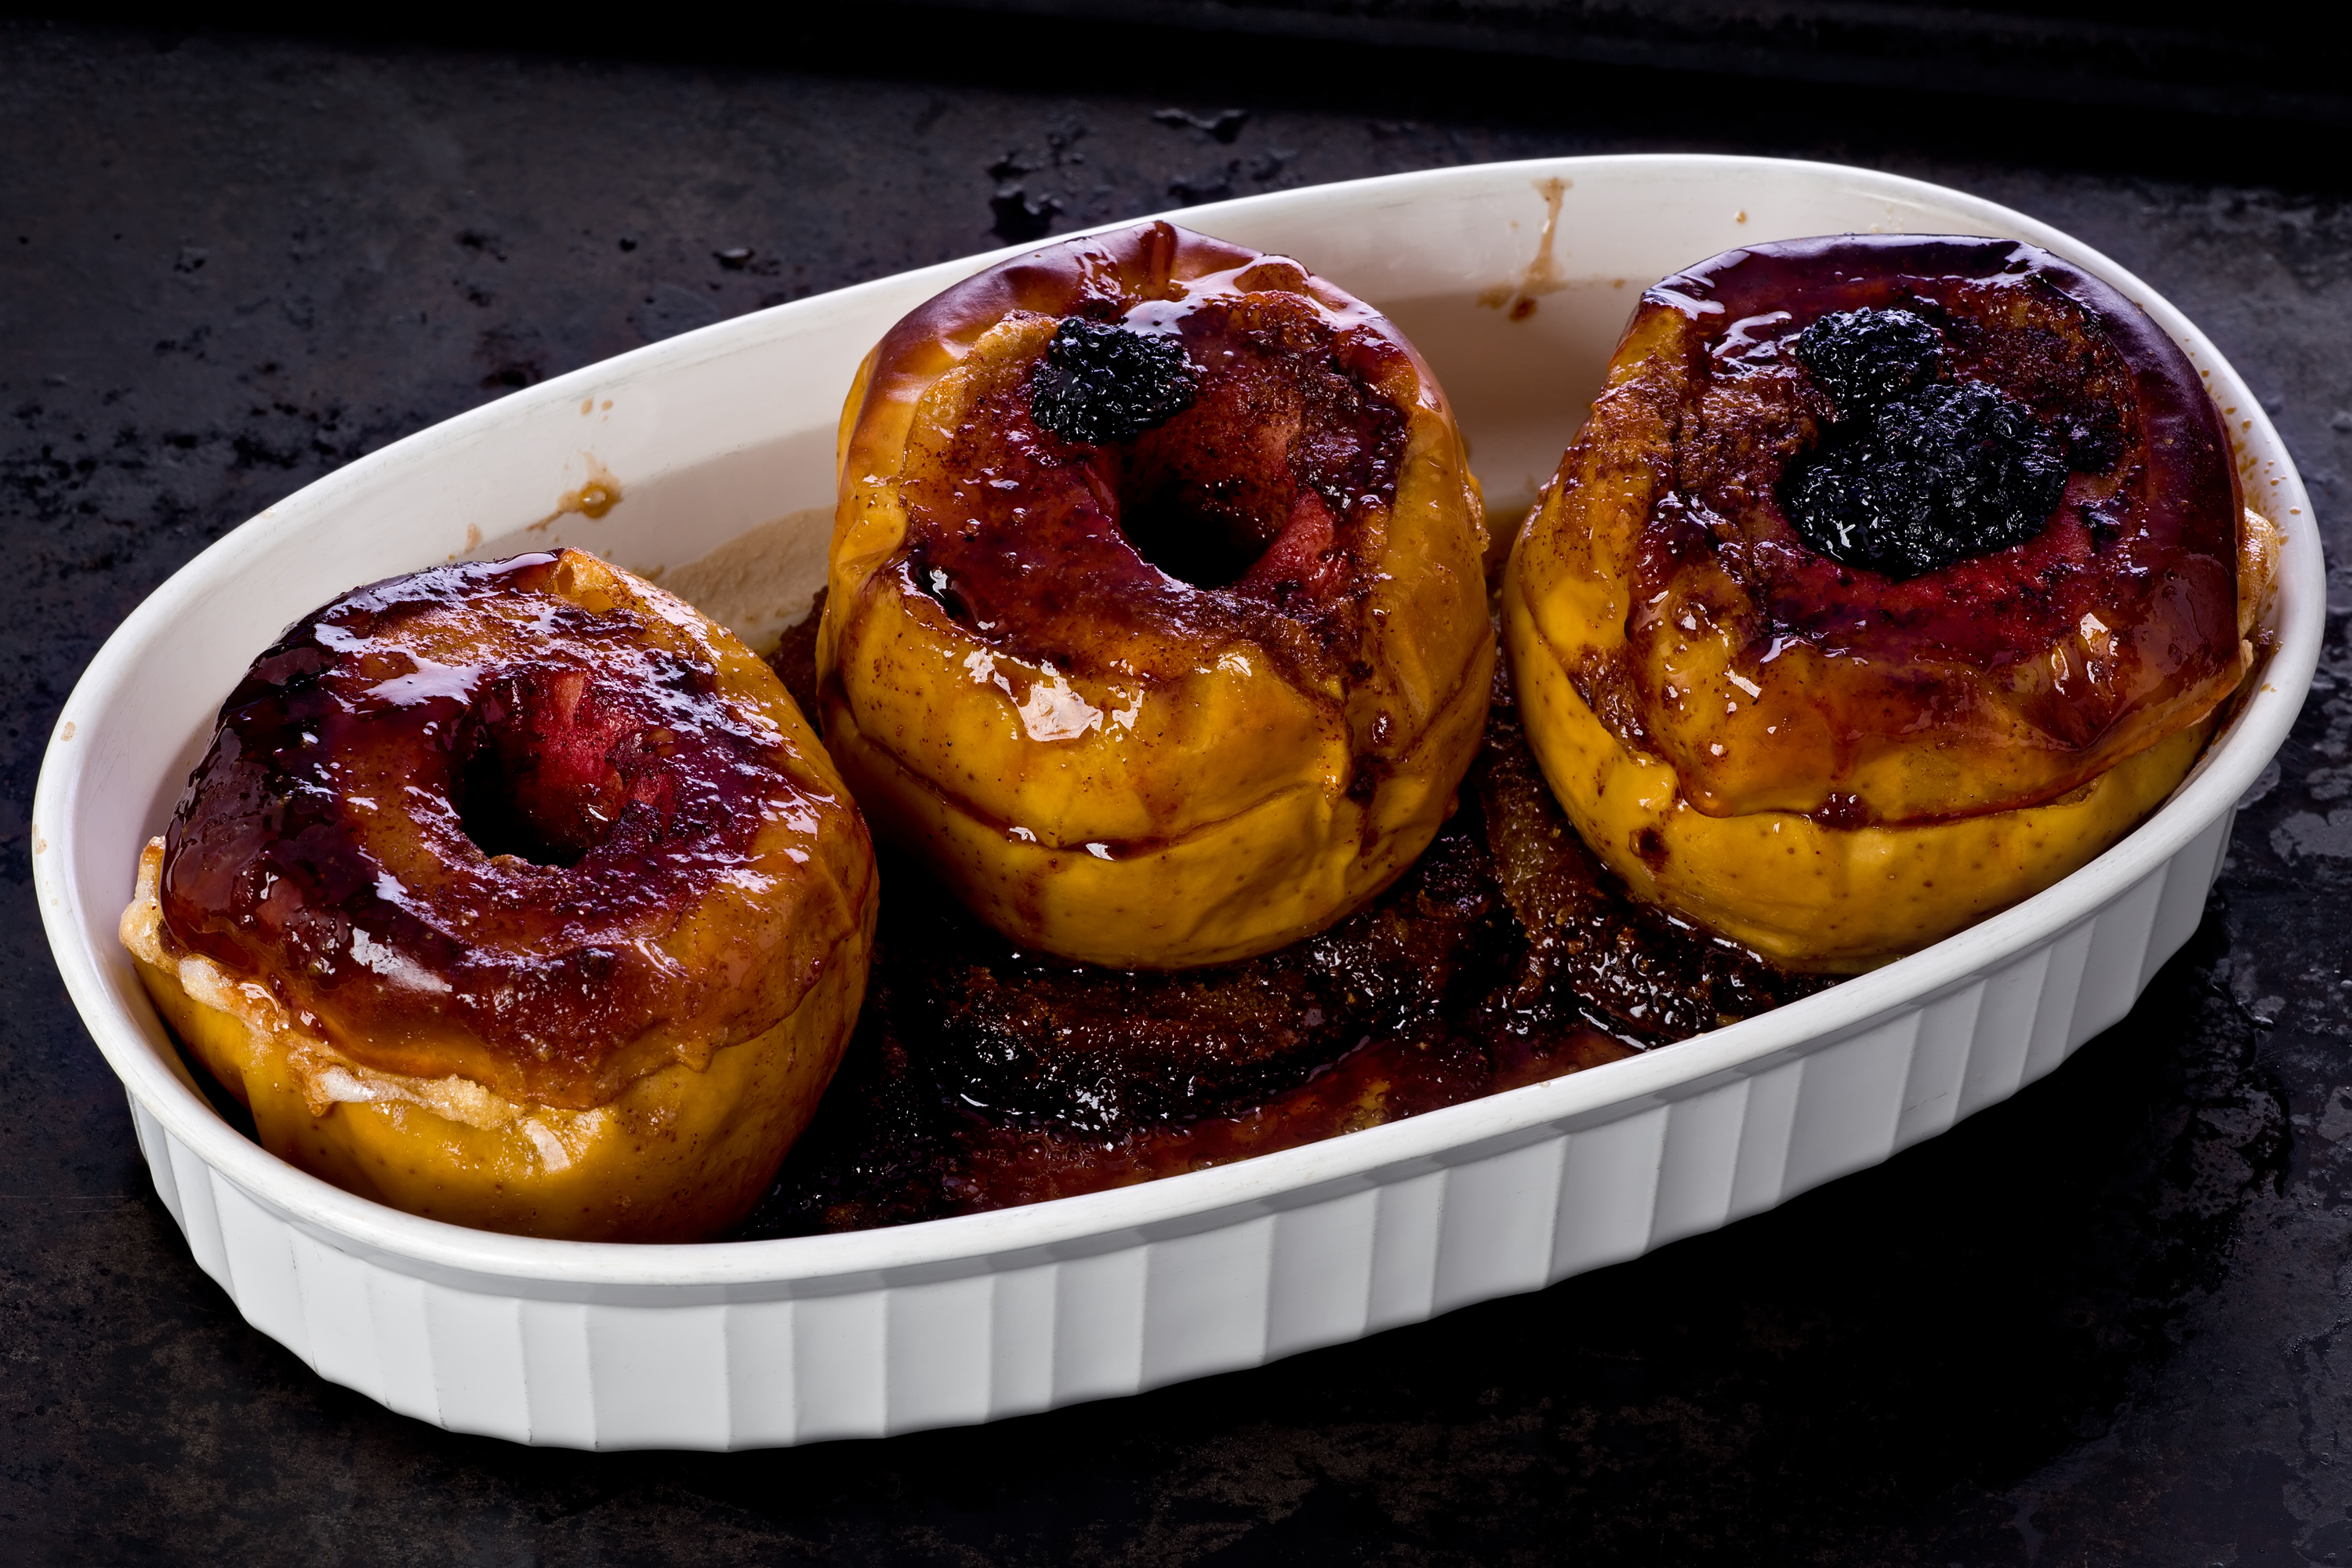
pixel 2104 1323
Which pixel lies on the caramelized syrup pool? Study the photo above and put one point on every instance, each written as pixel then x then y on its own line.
pixel 982 1076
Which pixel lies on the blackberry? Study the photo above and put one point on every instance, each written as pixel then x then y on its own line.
pixel 1862 357
pixel 1100 383
pixel 1918 481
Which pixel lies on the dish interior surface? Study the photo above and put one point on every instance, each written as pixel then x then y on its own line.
pixel 706 463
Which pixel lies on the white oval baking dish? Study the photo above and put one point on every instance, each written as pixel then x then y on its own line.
pixel 714 434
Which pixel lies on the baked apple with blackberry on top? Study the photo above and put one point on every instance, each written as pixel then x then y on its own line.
pixel 1892 579
pixel 1156 623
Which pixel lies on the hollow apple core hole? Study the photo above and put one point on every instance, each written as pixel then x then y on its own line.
pixel 1204 511
pixel 1203 548
pixel 531 774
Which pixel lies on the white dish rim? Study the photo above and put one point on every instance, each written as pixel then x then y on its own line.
pixel 1199 1200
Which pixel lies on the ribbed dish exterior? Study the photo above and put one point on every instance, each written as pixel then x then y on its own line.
pixel 996 1335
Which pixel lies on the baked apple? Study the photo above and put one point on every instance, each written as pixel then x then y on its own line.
pixel 517 895
pixel 1156 624
pixel 1892 578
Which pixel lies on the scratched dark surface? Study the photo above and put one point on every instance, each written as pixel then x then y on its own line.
pixel 2103 1323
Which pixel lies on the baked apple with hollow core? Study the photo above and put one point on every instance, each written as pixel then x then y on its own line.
pixel 1155 621
pixel 515 895
pixel 1893 578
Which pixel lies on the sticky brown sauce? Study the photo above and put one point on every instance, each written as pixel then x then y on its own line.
pixel 982 1076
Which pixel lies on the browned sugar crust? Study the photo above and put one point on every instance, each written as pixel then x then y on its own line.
pixel 467 824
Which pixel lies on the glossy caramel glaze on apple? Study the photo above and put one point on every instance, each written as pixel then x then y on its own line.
pixel 531 822
pixel 1231 521
pixel 1156 622
pixel 1773 677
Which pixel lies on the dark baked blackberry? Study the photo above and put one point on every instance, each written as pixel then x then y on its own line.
pixel 1918 481
pixel 1100 383
pixel 1863 357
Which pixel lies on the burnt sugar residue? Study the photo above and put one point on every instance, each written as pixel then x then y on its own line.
pixel 1518 300
pixel 984 1075
pixel 594 496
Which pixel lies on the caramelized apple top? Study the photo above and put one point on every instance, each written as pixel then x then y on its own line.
pixel 1167 443
pixel 534 822
pixel 1922 527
